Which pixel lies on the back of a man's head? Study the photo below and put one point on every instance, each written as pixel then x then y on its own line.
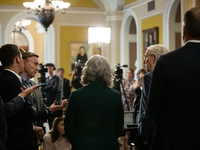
pixel 192 22
pixel 7 54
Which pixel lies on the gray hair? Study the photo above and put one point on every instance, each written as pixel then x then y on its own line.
pixel 97 67
pixel 157 50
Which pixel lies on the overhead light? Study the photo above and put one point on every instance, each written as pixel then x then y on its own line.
pixel 22 24
pixel 45 9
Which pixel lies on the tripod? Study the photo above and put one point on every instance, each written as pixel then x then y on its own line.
pixel 118 82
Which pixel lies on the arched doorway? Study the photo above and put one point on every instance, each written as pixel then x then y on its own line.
pixel 129 42
pixel 49 37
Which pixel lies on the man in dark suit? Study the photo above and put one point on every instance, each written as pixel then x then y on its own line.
pixel 20 127
pixel 63 84
pixel 174 100
pixel 51 88
pixel 146 126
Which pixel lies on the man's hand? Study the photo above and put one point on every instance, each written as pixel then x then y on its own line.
pixel 27 91
pixel 64 104
pixel 39 132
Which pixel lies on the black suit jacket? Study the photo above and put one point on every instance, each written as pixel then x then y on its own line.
pixel 51 89
pixel 20 127
pixel 66 89
pixel 174 101
pixel 94 118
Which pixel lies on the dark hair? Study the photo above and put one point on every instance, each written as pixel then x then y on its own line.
pixel 54 130
pixel 7 54
pixel 141 71
pixel 130 70
pixel 26 55
pixel 60 69
pixel 192 22
pixel 82 47
pixel 51 65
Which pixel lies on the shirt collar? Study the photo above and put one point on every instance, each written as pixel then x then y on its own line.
pixel 18 76
pixel 193 41
pixel 23 77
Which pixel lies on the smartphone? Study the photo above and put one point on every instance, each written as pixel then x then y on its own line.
pixel 58 97
pixel 42 84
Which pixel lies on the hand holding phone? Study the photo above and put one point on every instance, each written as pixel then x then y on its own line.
pixel 42 84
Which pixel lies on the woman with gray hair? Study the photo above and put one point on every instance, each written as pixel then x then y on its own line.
pixel 95 117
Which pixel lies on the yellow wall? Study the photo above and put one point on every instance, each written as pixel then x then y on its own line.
pixel 129 1
pixel 70 34
pixel 74 3
pixel 154 21
pixel 38 39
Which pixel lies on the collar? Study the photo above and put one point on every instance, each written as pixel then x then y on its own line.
pixel 23 77
pixel 193 41
pixel 18 76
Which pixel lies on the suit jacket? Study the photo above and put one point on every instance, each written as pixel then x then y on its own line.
pixel 20 127
pixel 146 125
pixel 66 89
pixel 38 104
pixel 51 89
pixel 7 110
pixel 174 100
pixel 94 117
pixel 3 124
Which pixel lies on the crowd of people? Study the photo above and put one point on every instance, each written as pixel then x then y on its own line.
pixel 92 117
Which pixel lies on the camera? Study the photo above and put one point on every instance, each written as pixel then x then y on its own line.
pixel 79 67
pixel 76 82
pixel 42 71
pixel 118 72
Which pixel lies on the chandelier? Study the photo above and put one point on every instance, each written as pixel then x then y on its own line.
pixel 45 9
pixel 22 24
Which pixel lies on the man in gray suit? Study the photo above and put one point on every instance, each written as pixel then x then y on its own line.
pixel 31 67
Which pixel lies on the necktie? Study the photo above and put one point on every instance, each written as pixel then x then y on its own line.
pixel 32 94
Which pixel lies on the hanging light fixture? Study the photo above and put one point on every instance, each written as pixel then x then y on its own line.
pixel 22 24
pixel 45 9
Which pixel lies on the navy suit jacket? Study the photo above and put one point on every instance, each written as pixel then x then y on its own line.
pixel 174 101
pixel 146 125
pixel 20 127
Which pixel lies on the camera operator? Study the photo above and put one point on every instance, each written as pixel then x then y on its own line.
pixel 127 83
pixel 75 80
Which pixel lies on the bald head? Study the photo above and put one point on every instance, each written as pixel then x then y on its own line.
pixel 192 22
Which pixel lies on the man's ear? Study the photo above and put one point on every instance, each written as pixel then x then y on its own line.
pixel 155 58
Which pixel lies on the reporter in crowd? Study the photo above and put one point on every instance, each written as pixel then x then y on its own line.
pixel 95 116
pixel 135 89
pixel 127 83
pixel 51 88
pixel 64 84
pixel 146 125
pixel 55 140
pixel 19 125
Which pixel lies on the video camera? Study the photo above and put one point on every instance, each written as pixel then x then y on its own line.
pixel 42 71
pixel 118 72
pixel 76 82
